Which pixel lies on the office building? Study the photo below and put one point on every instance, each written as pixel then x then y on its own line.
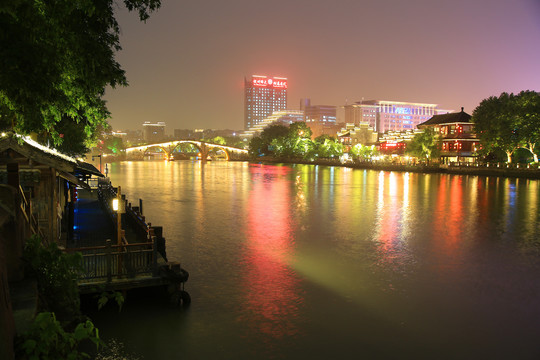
pixel 153 132
pixel 386 116
pixel 262 97
pixel 321 119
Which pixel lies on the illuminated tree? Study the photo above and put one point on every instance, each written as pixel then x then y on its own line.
pixel 527 112
pixel 56 59
pixel 425 145
pixel 363 152
pixel 496 124
pixel 220 140
pixel 262 145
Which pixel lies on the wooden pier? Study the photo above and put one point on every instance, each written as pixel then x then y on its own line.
pixel 137 260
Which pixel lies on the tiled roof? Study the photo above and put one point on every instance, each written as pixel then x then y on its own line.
pixel 458 117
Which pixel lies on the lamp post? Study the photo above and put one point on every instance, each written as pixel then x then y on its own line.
pixel 119 206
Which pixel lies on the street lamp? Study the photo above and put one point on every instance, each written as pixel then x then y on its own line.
pixel 119 206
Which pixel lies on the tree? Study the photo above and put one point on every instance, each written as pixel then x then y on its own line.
pixel 56 59
pixel 496 126
pixel 261 145
pixel 527 112
pixel 363 152
pixel 425 145
pixel 219 140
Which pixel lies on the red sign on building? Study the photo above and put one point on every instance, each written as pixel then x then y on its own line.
pixel 275 83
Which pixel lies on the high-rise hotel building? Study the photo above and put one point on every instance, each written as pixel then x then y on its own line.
pixel 262 97
pixel 386 116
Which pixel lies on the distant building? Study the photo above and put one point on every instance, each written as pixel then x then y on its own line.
pixel 285 118
pixel 353 134
pixel 321 119
pixel 262 97
pixel 386 116
pixel 153 132
pixel 459 141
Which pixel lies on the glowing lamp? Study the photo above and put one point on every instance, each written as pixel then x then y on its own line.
pixel 115 204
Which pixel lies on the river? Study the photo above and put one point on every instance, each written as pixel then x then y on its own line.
pixel 315 262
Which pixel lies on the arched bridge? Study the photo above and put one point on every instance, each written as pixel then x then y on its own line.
pixel 204 148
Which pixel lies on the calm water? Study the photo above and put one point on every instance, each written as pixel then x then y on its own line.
pixel 311 262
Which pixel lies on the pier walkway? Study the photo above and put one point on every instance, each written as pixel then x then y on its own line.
pixel 139 260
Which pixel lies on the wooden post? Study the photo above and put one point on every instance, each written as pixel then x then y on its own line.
pixel 108 259
pixel 154 257
pixel 119 229
pixel 140 206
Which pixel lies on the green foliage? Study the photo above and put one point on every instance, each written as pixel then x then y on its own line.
pixel 111 295
pixel 509 122
pixel 425 145
pixel 56 273
pixel 46 339
pixel 262 145
pixel 219 140
pixel 294 142
pixel 56 59
pixel 363 152
pixel 113 145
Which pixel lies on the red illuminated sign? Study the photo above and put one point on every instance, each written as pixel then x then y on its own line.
pixel 275 83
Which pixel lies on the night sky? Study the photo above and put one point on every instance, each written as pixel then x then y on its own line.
pixel 186 65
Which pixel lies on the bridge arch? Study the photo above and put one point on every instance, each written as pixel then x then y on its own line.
pixel 204 148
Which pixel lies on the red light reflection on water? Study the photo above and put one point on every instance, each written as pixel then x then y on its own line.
pixel 449 219
pixel 273 300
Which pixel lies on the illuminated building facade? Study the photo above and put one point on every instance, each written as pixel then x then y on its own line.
pixel 395 142
pixel 386 116
pixel 262 97
pixel 153 132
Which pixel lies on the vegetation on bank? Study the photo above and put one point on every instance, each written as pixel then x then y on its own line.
pixel 508 124
pixel 59 327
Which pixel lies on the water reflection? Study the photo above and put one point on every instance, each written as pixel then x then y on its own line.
pixel 298 252
pixel 272 291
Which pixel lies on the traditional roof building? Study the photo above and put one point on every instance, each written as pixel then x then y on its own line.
pixel 37 194
pixel 459 141
pixel 353 134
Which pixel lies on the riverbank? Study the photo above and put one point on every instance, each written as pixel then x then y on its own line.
pixel 492 170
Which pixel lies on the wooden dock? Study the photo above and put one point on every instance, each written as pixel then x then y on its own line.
pixel 138 260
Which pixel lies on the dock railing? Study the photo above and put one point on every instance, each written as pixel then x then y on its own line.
pixel 103 263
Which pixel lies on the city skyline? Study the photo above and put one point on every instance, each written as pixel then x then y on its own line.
pixel 187 64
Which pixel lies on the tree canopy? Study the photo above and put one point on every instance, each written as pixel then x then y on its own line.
pixel 509 122
pixel 294 142
pixel 56 59
pixel 425 145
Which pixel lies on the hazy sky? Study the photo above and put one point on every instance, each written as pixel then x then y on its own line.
pixel 186 65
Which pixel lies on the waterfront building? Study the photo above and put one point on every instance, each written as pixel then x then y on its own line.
pixel 459 141
pixel 386 116
pixel 353 134
pixel 262 97
pixel 153 132
pixel 395 142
